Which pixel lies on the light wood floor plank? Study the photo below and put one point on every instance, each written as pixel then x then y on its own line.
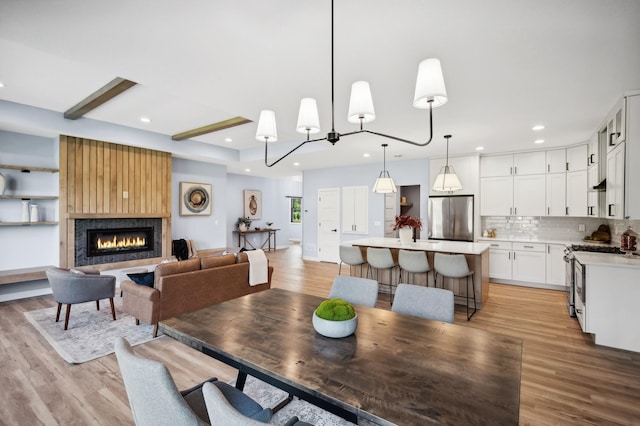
pixel 566 378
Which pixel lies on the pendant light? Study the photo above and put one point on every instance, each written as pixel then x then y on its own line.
pixel 384 184
pixel 447 180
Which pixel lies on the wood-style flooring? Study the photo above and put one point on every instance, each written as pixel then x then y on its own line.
pixel 566 379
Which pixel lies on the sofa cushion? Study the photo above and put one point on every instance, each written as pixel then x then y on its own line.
pixel 142 278
pixel 216 261
pixel 173 268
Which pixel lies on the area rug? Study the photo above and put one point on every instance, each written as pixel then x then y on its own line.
pixel 91 333
pixel 269 396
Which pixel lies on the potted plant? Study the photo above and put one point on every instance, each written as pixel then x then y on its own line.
pixel 406 226
pixel 243 223
pixel 335 318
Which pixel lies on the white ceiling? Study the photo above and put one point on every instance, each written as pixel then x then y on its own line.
pixel 507 64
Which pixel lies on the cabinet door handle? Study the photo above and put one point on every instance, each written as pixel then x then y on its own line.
pixel 515 211
pixel 566 166
pixel 566 211
pixel 510 170
pixel 515 170
pixel 495 245
pixel 610 209
pixel 549 249
pixel 548 168
pixel 528 246
pixel 548 211
pixel 509 255
pixel 514 255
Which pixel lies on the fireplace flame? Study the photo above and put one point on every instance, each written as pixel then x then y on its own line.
pixel 121 243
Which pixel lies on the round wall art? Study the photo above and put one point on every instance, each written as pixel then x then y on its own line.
pixel 195 198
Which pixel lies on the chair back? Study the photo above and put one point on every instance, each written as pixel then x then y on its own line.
pixel 451 265
pixel 351 255
pixel 380 258
pixel 153 395
pixel 221 412
pixel 359 291
pixel 413 261
pixel 424 302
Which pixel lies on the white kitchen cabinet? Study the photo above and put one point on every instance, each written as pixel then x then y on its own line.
pixel 577 158
pixel 556 194
pixel 525 163
pixel 593 151
pixel 555 264
pixel 577 194
pixel 355 209
pixel 496 196
pixel 616 125
pixel 524 262
pixel 556 160
pixel 615 182
pixel 529 195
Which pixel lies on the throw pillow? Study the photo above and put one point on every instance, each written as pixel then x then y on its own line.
pixel 143 278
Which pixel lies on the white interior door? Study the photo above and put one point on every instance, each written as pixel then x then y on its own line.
pixel 328 225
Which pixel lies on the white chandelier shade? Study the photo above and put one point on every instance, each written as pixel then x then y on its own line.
pixel 308 120
pixel 447 180
pixel 361 103
pixel 430 85
pixel 267 130
pixel 384 184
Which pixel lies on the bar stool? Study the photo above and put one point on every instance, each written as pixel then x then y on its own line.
pixel 352 256
pixel 413 262
pixel 381 259
pixel 455 266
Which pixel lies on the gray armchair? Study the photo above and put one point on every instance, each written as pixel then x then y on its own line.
pixel 155 399
pixel 78 287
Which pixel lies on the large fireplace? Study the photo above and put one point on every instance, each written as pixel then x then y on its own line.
pixel 99 241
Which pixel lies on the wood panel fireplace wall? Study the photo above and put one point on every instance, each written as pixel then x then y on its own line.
pixel 102 180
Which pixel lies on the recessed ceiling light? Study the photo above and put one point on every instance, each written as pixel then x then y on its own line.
pixel 366 154
pixel 247 170
pixel 537 127
pixel 539 141
pixel 227 140
pixel 145 119
pixel 1 84
pixel 480 148
pixel 296 164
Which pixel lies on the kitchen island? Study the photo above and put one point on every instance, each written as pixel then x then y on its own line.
pixel 477 255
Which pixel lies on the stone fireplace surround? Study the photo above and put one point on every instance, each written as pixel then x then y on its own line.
pixel 81 257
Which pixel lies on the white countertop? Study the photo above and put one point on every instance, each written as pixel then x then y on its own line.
pixel 459 247
pixel 544 241
pixel 606 259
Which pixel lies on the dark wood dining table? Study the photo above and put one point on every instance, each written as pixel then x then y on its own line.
pixel 395 369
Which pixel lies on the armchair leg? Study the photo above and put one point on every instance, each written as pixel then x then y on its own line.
pixel 58 312
pixel 97 305
pixel 155 330
pixel 113 308
pixel 137 321
pixel 66 317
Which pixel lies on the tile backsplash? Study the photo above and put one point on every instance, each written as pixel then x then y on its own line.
pixel 554 228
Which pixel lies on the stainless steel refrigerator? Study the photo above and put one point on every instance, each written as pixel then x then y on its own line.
pixel 451 217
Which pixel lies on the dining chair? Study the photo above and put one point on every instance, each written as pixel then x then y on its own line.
pixel 424 302
pixel 413 262
pixel 381 259
pixel 359 291
pixel 221 412
pixel 352 256
pixel 455 266
pixel 155 399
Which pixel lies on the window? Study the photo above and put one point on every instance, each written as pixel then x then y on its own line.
pixel 296 209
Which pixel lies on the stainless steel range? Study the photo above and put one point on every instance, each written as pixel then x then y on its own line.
pixel 571 267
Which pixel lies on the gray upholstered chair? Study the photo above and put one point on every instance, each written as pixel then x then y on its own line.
pixel 70 287
pixel 352 256
pixel 221 412
pixel 155 399
pixel 360 291
pixel 413 262
pixel 455 266
pixel 424 302
pixel 381 259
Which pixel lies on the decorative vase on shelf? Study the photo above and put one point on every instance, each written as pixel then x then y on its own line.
pixel 3 183
pixel 242 227
pixel 35 214
pixel 25 211
pixel 406 234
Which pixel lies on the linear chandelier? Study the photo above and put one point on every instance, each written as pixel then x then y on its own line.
pixel 430 93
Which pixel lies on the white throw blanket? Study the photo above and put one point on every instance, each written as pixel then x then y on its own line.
pixel 258 271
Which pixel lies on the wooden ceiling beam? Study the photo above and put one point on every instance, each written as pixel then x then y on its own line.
pixel 100 96
pixel 232 122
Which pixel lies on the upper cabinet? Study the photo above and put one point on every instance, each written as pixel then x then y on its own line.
pixel 577 158
pixel 616 125
pixel 525 163
pixel 355 209
pixel 556 160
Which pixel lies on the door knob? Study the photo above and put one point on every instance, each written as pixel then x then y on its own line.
pixel 334 230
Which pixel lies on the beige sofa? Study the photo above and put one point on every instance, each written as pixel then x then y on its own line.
pixel 189 285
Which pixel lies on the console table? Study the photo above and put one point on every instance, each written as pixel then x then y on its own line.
pixel 271 233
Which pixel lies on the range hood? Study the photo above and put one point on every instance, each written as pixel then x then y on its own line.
pixel 602 186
